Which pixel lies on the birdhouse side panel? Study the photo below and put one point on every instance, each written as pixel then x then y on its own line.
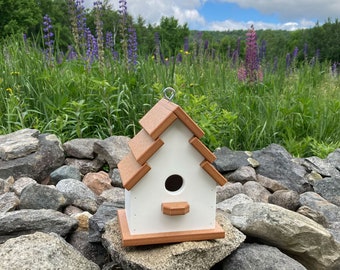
pixel 175 176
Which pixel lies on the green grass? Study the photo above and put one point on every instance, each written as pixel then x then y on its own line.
pixel 300 111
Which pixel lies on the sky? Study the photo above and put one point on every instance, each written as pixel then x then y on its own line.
pixel 223 15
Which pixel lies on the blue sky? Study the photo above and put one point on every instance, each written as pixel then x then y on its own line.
pixel 225 15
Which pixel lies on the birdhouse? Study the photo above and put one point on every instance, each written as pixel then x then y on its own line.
pixel 169 181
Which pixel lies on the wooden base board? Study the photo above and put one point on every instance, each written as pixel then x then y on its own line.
pixel 167 237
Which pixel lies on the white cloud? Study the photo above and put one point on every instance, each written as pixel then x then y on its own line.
pixel 294 13
pixel 294 9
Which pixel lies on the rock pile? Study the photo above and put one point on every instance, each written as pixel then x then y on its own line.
pixel 58 209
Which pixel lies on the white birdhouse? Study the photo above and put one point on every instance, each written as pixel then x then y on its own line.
pixel 169 181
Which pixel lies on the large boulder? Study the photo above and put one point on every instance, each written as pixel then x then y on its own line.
pixel 197 255
pixel 29 153
pixel 307 241
pixel 16 223
pixel 42 251
pixel 256 256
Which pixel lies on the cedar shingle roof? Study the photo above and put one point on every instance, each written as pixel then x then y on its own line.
pixel 146 143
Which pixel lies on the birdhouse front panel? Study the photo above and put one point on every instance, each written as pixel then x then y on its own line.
pixel 175 177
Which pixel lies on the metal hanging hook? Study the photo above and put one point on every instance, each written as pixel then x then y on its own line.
pixel 169 93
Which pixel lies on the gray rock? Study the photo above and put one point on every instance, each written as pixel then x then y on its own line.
pixel 112 150
pixel 42 251
pixel 228 204
pixel 288 199
pixel 330 211
pixel 36 196
pixel 228 160
pixel 6 184
pixel 80 148
pixel 37 165
pixel 255 191
pixel 78 194
pixel 227 191
pixel 321 167
pixel 114 195
pixel 116 181
pixel 243 174
pixel 334 158
pixel 317 216
pixel 8 202
pixel 270 184
pixel 105 213
pixel 276 163
pixel 197 255
pixel 18 144
pixel 92 251
pixel 85 165
pixel 21 183
pixel 16 223
pixel 329 189
pixel 256 256
pixel 64 172
pixel 309 242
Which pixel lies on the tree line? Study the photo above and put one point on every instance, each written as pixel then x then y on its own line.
pixel 18 17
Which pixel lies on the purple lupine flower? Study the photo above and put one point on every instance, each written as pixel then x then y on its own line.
pixel 109 43
pixel 186 45
pixel 288 62
pixel 234 58
pixel 71 53
pixel 132 47
pixel 295 53
pixel 98 6
pixel 48 37
pixel 252 65
pixel 206 45
pixel 275 64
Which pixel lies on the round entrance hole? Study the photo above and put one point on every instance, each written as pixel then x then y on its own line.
pixel 173 182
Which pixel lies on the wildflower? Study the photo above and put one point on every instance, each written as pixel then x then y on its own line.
pixel 132 47
pixel 288 61
pixel 295 53
pixel 305 51
pixel 15 73
pixel 9 90
pixel 99 30
pixel 263 49
pixel 186 45
pixel 48 36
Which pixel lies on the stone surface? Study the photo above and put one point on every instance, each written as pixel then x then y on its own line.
pixel 98 181
pixel 112 150
pixel 288 199
pixel 16 223
pixel 256 191
pixel 242 175
pixel 42 251
pixel 78 194
pixel 276 163
pixel 329 189
pixel 317 216
pixel 36 196
pixel 256 256
pixel 8 202
pixel 97 222
pixel 18 144
pixel 228 204
pixel 115 195
pixel 227 191
pixel 83 220
pixel 37 165
pixel 80 148
pixel 21 183
pixel 187 255
pixel 116 181
pixel 334 158
pixel 92 251
pixel 228 160
pixel 6 184
pixel 321 167
pixel 85 165
pixel 309 242
pixel 64 172
pixel 270 184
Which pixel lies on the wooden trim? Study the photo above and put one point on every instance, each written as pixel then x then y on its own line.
pixel 167 237
pixel 200 147
pixel 211 170
pixel 175 208
pixel 131 171
pixel 143 146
